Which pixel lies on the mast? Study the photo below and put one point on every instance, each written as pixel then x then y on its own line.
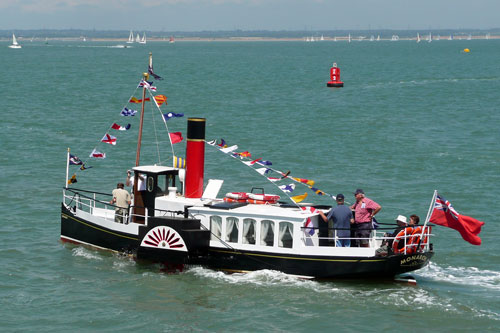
pixel 139 138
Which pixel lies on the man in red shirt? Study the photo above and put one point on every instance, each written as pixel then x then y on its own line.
pixel 364 211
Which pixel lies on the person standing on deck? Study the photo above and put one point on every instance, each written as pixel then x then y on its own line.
pixel 342 220
pixel 364 211
pixel 121 199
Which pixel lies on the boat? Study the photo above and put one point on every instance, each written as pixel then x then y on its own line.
pixel 137 38
pixel 378 38
pixel 429 39
pixel 372 38
pixel 175 220
pixel 130 38
pixel 394 38
pixel 15 44
pixel 418 37
pixel 171 41
pixel 143 40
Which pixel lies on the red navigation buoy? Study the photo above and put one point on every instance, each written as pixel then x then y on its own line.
pixel 335 77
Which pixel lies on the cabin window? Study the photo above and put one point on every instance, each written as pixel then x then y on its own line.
pixel 286 235
pixel 150 184
pixel 267 233
pixel 249 231
pixel 232 229
pixel 216 227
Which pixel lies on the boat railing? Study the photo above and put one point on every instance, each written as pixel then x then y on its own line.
pixel 409 242
pixel 97 203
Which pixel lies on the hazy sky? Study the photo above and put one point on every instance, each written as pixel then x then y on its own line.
pixel 197 15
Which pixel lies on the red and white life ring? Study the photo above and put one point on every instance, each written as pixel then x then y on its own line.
pixel 415 239
pixel 262 199
pixel 405 233
pixel 236 197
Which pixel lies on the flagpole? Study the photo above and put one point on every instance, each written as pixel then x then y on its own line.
pixel 429 212
pixel 67 170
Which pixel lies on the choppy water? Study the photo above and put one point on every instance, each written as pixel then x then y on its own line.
pixel 411 118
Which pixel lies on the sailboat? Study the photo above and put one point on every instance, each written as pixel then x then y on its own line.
pixel 394 38
pixel 378 38
pixel 429 39
pixel 143 40
pixel 130 38
pixel 469 37
pixel 418 37
pixel 137 38
pixel 175 220
pixel 349 38
pixel 15 44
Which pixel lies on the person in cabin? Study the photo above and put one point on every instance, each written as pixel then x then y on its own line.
pixel 364 211
pixel 141 184
pixel 342 219
pixel 121 200
pixel 414 219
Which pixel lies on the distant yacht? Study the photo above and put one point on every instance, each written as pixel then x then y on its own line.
pixel 321 38
pixel 394 38
pixel 372 38
pixel 130 38
pixel 14 44
pixel 429 39
pixel 418 37
pixel 487 36
pixel 378 38
pixel 469 37
pixel 451 37
pixel 137 39
pixel 171 40
pixel 349 40
pixel 143 40
pixel 335 38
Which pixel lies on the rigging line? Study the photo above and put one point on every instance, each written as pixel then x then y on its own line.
pixel 156 135
pixel 165 122
pixel 107 131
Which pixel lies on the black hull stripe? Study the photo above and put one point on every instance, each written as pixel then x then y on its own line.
pixel 100 229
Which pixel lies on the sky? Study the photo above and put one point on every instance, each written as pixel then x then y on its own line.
pixel 214 15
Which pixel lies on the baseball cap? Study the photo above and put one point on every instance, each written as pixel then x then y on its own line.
pixel 340 196
pixel 358 191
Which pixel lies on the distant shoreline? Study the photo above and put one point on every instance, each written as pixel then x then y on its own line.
pixel 254 39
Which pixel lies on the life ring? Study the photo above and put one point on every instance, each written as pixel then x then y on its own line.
pixel 226 199
pixel 237 195
pixel 415 239
pixel 405 233
pixel 263 198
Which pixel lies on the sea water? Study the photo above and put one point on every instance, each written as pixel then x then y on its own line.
pixel 412 118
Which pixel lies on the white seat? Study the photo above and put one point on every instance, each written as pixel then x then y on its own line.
pixel 212 189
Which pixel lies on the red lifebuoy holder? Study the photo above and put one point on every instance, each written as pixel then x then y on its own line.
pixel 335 77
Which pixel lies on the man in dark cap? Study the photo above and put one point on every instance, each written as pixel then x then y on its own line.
pixel 342 219
pixel 364 211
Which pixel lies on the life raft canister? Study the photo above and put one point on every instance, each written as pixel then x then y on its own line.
pixel 262 199
pixel 236 197
pixel 415 239
pixel 400 237
pixel 335 77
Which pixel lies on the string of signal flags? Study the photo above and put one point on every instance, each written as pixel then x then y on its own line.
pixel 109 138
pixel 263 167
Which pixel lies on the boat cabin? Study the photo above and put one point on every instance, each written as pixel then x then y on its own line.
pixel 155 181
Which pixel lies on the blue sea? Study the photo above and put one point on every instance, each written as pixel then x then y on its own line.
pixel 412 118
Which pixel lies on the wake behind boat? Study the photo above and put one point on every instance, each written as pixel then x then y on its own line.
pixel 174 219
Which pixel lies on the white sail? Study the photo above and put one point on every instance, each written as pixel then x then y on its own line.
pixel 418 37
pixel 143 40
pixel 130 37
pixel 15 44
pixel 430 37
pixel 138 38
